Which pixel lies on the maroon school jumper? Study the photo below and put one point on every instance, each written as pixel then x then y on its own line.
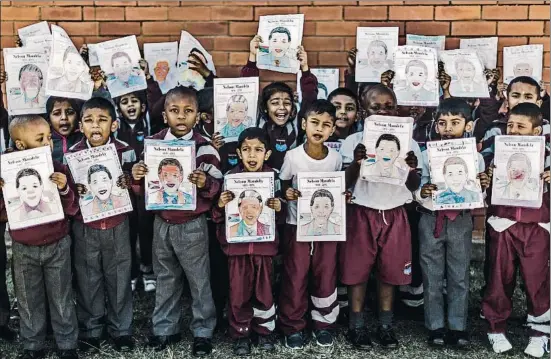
pixel 528 242
pixel 250 272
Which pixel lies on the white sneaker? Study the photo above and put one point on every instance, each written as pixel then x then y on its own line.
pixel 499 342
pixel 537 346
pixel 149 285
pixel 133 284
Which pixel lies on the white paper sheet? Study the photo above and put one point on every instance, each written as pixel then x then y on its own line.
pixel 467 73
pixel 38 29
pixel 43 42
pixel 486 48
pixel 93 59
pixel 526 60
pixel 162 58
pixel 435 42
pixel 375 48
pixel 187 77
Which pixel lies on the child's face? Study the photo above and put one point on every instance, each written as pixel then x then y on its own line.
pixel 250 210
pixel 416 77
pixel 518 171
pixel 180 115
pixel 347 112
pixel 452 126
pixel 518 125
pixel 415 112
pixel 31 84
pixel 376 56
pixel 161 70
pixel 30 190
pixel 321 209
pixel 387 152
pixel 122 68
pixel 380 104
pixel 33 136
pixel 101 185
pixel 279 44
pixel 253 154
pixel 236 113
pixel 171 178
pixel 521 93
pixel 465 71
pixel 74 66
pixel 318 127
pixel 131 107
pixel 280 108
pixel 97 126
pixel 522 69
pixel 63 118
pixel 455 177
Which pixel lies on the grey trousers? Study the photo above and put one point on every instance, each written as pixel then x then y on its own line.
pixel 446 257
pixel 41 270
pixel 102 266
pixel 180 249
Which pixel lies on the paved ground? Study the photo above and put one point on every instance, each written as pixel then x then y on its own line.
pixel 411 333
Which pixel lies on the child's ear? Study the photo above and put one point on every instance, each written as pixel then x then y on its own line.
pixel 539 102
pixel 164 117
pixel 114 126
pixel 267 155
pixel 303 124
pixel 239 153
pixel 538 131
pixel 19 145
pixel 80 126
pixel 469 126
pixel 143 107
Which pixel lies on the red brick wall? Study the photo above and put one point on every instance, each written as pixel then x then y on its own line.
pixel 226 27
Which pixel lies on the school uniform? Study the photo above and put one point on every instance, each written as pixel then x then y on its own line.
pixel 42 269
pixel 103 264
pixel 180 246
pixel 445 251
pixel 305 260
pixel 250 271
pixel 4 297
pixel 62 144
pixel 378 231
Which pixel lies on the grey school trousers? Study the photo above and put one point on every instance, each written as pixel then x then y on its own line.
pixel 449 257
pixel 41 270
pixel 102 266
pixel 180 249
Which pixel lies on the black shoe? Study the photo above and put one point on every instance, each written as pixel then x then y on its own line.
pixel 161 342
pixel 31 354
pixel 387 337
pixel 457 338
pixel 264 342
pixel 124 343
pixel 324 338
pixel 295 341
pixel 7 334
pixel 68 354
pixel 201 346
pixel 436 338
pixel 242 346
pixel 89 345
pixel 359 338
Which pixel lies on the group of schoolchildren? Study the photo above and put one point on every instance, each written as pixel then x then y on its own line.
pixel 385 223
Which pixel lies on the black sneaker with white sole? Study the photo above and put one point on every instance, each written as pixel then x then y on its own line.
pixel 295 341
pixel 323 338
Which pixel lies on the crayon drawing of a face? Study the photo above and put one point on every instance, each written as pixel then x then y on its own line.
pixel 161 70
pixel 73 64
pixel 236 110
pixel 376 53
pixel 416 75
pixel 465 71
pixel 100 182
pixel 455 174
pixel 519 169
pixel 30 80
pixel 387 151
pixel 171 177
pixel 122 66
pixel 321 206
pixel 29 187
pixel 250 208
pixel 279 42
pixel 522 69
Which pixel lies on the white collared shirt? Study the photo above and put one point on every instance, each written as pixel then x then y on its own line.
pixel 89 146
pixel 170 136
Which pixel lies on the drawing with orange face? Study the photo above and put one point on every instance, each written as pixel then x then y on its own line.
pixel 171 176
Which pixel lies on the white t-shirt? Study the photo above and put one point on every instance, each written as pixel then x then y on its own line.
pixel 376 195
pixel 296 161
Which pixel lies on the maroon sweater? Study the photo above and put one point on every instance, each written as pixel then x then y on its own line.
pixel 207 161
pixel 127 157
pixel 53 232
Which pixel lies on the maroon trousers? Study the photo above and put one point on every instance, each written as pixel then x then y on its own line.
pixel 308 268
pixel 528 242
pixel 251 301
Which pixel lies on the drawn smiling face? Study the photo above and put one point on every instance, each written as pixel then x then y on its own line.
pixel 74 66
pixel 101 185
pixel 279 44
pixel 31 84
pixel 122 68
pixel 455 177
pixel 171 178
pixel 161 70
pixel 30 190
pixel 387 152
pixel 236 113
pixel 376 55
pixel 416 77
pixel 518 172
pixel 522 69
pixel 321 209
pixel 465 71
pixel 250 209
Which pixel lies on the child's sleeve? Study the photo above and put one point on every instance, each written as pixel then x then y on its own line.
pixel 309 88
pixel 425 176
pixel 250 70
pixel 488 111
pixel 347 151
pixel 210 80
pixel 69 200
pixel 153 92
pixel 218 214
pixel 350 81
pixel 286 172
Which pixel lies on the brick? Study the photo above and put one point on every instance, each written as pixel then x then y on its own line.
pixel 365 13
pixel 6 28
pixel 206 28
pixel 541 40
pixel 427 2
pixel 457 13
pixel 399 24
pixel 309 28
pixel 190 13
pixel 370 3
pixel 228 72
pixel 452 43
pixel 545 74
pixel 323 43
pixel 74 3
pixel 150 39
pixel 162 28
pixel 272 10
pixel 233 43
pixel 61 13
pixel 333 28
pixel 121 28
pixel 546 59
pixel 520 28
pixel 277 76
pixel 77 41
pixel 20 13
pixel 220 58
pixel 32 3
pixel 411 12
pixel 510 41
pixel 202 3
pixel 88 13
pixel 98 39
pixel 80 28
pixel 7 41
pixel 243 28
pixel 321 12
pixel 401 40
pixel 483 2
pixel 332 58
pixel 231 12
pixel 502 12
pixel 349 42
pixel 114 3
pixel 546 30
pixel 146 13
pixel 428 28
pixel 5 3
pixel 109 13
pixel 473 28
pixel 238 58
pixel 207 42
pixel 246 3
pixel 20 24
pixel 342 3
pixel 539 12
pixel 159 3
pixel 284 3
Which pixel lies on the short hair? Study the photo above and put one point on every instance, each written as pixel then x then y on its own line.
pixel 454 161
pixel 280 30
pixel 140 95
pixel 99 103
pixel 27 172
pixel 343 91
pixel 237 99
pixel 31 68
pixel 388 137
pixel 417 63
pixel 320 107
pixel 119 54
pixel 455 107
pixel 525 80
pixel 378 43
pixel 254 133
pixel 98 168
pixel 70 50
pixel 250 193
pixel 181 91
pixel 52 100
pixel 321 193
pixel 22 121
pixel 530 110
pixel 200 52
pixel 520 157
pixel 205 100
pixel 170 162
pixel 379 89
